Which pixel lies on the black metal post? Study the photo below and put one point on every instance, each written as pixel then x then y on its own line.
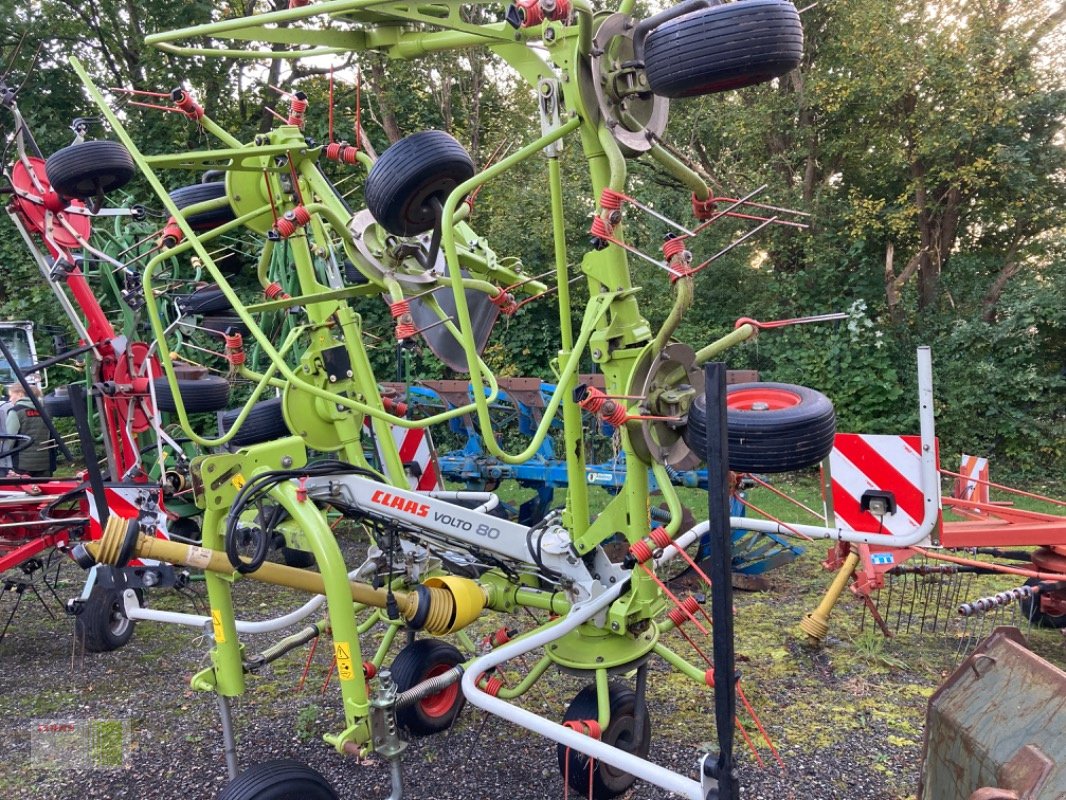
pixel 718 493
pixel 88 450
pixel 37 404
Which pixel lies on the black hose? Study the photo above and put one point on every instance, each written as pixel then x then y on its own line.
pixel 262 483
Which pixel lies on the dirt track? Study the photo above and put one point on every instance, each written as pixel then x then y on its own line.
pixel 847 719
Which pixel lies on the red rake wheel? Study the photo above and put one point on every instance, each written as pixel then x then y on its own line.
pixel 138 363
pixel 773 427
pixel 419 661
pixel 33 214
pixel 763 399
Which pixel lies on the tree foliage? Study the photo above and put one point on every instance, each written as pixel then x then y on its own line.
pixel 926 140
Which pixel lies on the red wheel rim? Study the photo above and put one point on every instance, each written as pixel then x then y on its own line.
pixel 762 399
pixel 33 214
pixel 125 372
pixel 439 704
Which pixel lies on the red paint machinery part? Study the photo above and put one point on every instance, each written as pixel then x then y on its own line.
pixel 767 399
pixel 34 214
pixel 440 704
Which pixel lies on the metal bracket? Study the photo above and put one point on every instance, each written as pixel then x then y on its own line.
pixel 549 101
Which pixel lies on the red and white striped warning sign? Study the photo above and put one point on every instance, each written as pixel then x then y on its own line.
pixel 890 463
pixel 418 457
pixel 974 486
pixel 122 501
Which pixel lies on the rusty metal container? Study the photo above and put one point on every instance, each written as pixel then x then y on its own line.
pixel 996 728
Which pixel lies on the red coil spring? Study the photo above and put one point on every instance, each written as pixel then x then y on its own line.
pixel 299 3
pixel 703 209
pixel 680 270
pixel 683 613
pixel 561 10
pixel 611 200
pixel 292 221
pixel 505 302
pixel 396 407
pixel 234 348
pixel 493 686
pixel 673 247
pixel 530 12
pixel 498 637
pixel 172 234
pixel 297 107
pixel 601 228
pixel 708 677
pixel 369 670
pixel 186 104
pixel 342 151
pixel 589 727
pixel 596 402
pixel 640 551
pixel 593 400
pixel 274 291
pixel 405 330
pixel 399 308
pixel 660 537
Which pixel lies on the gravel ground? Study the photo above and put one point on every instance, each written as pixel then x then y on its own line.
pixel 847 719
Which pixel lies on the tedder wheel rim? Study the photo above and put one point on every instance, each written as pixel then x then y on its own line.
pixel 764 399
pixel 440 704
pixel 118 622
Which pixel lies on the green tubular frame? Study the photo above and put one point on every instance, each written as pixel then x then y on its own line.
pixel 612 330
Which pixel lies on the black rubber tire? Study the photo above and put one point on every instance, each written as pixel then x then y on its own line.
pixel 607 781
pixel 416 170
pixel 210 393
pixel 224 323
pixel 774 440
pixel 284 779
pixel 300 559
pixel 88 169
pixel 102 625
pixel 723 47
pixel 199 193
pixel 1030 609
pixel 205 300
pixel 58 405
pixel 186 528
pixel 421 659
pixel 264 423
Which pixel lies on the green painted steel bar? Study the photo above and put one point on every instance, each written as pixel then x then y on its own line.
pixel 673 502
pixel 616 163
pixel 684 294
pixel 596 305
pixel 577 497
pixel 231 158
pixel 531 677
pixel 680 170
pixel 741 334
pixel 226 659
pixel 238 24
pixel 330 563
pixel 603 699
pixel 682 666
pixel 387 638
pixel 537 598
